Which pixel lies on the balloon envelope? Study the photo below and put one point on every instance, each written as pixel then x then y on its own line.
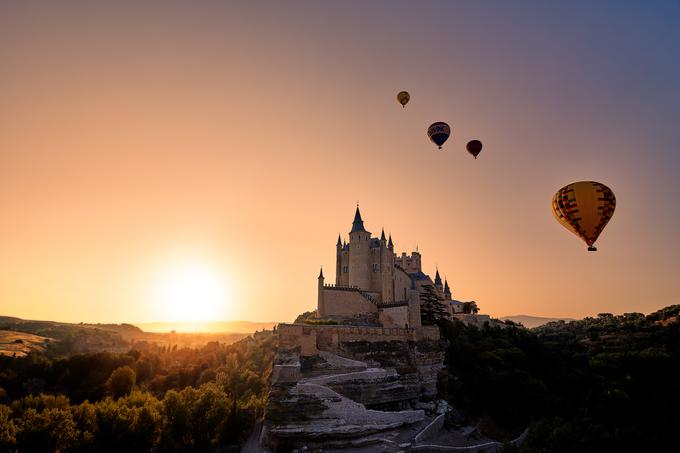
pixel 584 208
pixel 439 132
pixel 403 97
pixel 474 147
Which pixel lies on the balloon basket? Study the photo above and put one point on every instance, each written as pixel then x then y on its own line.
pixel 592 248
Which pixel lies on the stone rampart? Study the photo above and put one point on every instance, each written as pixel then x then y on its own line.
pixel 394 315
pixel 311 338
pixel 344 303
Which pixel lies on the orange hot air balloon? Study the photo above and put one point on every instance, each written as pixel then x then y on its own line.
pixel 584 208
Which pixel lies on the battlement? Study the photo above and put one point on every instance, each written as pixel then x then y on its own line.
pixel 410 263
pixel 312 338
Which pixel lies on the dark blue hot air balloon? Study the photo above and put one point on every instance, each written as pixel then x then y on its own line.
pixel 439 132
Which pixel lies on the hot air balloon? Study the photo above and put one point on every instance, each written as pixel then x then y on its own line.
pixel 584 208
pixel 403 97
pixel 438 132
pixel 474 147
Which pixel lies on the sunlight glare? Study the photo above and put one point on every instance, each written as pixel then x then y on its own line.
pixel 190 292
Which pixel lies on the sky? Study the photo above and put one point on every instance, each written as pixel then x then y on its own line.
pixel 141 142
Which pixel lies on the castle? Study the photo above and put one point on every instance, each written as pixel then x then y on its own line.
pixel 375 286
pixel 366 366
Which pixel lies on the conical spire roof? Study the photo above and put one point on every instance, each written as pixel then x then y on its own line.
pixel 321 272
pixel 358 224
pixel 437 279
pixel 389 243
pixel 446 284
pixel 339 241
pixel 382 236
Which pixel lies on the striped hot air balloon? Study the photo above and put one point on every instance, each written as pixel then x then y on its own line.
pixel 439 132
pixel 584 208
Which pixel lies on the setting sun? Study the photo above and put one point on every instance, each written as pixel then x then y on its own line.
pixel 190 292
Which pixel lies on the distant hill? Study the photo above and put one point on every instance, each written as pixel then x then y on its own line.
pixel 71 338
pixel 533 321
pixel 207 326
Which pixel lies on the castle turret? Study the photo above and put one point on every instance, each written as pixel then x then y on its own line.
pixel 386 270
pixel 359 254
pixel 338 262
pixel 321 309
pixel 447 290
pixel 438 280
pixel 416 261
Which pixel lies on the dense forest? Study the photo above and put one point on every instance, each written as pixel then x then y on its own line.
pixel 610 383
pixel 154 399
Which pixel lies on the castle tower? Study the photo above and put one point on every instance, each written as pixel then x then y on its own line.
pixel 359 254
pixel 447 290
pixel 386 270
pixel 321 309
pixel 338 262
pixel 416 260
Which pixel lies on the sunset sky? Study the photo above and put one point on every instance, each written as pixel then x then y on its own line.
pixel 144 141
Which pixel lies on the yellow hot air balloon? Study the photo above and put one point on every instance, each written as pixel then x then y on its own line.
pixel 403 97
pixel 584 208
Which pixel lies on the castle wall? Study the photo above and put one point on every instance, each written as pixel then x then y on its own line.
pixel 345 304
pixel 394 316
pixel 374 270
pixel 387 274
pixel 414 309
pixel 402 285
pixel 342 273
pixel 293 336
pixel 311 339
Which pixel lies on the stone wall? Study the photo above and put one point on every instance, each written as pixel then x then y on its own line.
pixel 402 284
pixel 292 336
pixel 343 303
pixel 396 316
pixel 310 338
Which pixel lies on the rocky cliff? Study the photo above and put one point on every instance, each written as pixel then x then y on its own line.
pixel 352 393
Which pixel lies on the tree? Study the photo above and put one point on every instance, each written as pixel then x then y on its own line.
pixel 7 430
pixel 51 430
pixel 121 382
pixel 431 308
pixel 470 307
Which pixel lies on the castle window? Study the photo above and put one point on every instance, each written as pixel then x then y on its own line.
pixel 376 267
pixel 344 269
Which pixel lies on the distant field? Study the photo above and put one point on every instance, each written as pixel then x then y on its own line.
pixel 18 344
pixel 207 327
